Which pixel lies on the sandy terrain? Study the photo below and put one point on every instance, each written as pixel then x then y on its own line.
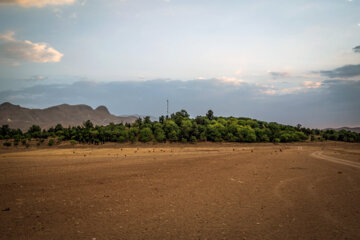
pixel 203 191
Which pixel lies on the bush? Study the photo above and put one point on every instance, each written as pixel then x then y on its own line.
pixel 51 142
pixel 60 139
pixel 23 142
pixel 203 136
pixel 193 139
pixel 7 144
pixel 73 142
pixel 276 140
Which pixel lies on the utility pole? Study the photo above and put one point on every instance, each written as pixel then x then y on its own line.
pixel 167 107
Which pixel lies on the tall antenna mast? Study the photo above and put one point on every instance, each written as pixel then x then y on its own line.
pixel 167 107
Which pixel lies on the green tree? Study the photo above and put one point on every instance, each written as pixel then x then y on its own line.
pixel 179 116
pixel 133 132
pixel 210 115
pixel 88 124
pixel 145 135
pixel 173 136
pixel 159 135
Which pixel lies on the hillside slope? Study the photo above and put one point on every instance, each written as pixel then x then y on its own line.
pixel 68 115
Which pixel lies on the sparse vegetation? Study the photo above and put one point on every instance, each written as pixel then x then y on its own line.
pixel 179 127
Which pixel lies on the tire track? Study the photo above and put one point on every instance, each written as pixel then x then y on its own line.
pixel 320 155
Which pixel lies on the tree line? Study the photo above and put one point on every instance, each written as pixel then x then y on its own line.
pixel 178 127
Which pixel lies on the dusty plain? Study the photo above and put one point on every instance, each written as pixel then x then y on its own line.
pixel 173 191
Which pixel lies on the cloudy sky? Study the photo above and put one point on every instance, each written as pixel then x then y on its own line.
pixel 286 61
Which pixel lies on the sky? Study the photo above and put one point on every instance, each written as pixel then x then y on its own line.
pixel 285 61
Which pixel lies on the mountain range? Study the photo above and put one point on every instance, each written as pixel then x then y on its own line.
pixel 68 115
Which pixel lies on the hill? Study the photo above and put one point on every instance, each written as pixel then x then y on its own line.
pixel 355 129
pixel 68 115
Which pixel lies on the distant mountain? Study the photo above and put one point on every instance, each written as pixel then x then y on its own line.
pixel 68 115
pixel 355 129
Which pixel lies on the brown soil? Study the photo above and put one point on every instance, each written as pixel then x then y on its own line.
pixel 204 191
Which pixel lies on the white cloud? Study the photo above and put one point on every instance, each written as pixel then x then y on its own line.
pixel 230 80
pixel 310 84
pixel 36 3
pixel 269 91
pixel 278 91
pixel 11 48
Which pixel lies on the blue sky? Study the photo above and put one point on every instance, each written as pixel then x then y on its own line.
pixel 247 54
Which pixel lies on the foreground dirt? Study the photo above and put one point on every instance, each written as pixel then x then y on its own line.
pixel 210 191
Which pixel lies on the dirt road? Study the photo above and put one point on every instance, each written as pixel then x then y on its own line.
pixel 205 191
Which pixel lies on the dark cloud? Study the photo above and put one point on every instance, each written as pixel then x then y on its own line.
pixel 346 71
pixel 357 49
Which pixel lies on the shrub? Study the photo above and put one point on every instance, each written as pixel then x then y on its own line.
pixel 7 144
pixel 73 142
pixel 203 136
pixel 60 139
pixel 276 140
pixel 193 139
pixel 51 142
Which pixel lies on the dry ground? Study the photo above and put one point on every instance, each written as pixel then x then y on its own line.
pixel 204 191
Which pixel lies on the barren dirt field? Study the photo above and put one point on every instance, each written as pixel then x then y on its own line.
pixel 165 191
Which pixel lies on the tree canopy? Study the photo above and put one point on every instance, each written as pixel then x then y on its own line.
pixel 180 127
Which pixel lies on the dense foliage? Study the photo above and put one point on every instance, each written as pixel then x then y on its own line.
pixel 179 127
